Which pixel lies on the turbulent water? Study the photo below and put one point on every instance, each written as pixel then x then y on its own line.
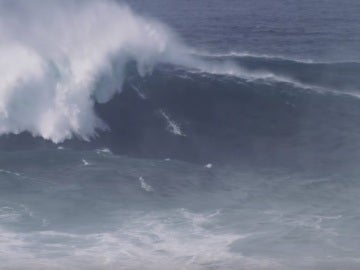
pixel 179 135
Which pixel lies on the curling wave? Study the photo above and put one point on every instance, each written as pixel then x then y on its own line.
pixel 63 64
pixel 61 58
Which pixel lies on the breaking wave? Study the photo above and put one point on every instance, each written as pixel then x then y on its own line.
pixel 61 59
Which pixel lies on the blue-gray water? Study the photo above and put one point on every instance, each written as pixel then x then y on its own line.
pixel 324 30
pixel 240 154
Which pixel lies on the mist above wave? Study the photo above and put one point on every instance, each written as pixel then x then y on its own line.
pixel 57 59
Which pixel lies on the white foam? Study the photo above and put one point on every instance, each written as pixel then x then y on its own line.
pixel 145 185
pixel 174 240
pixel 208 166
pixel 139 92
pixel 103 151
pixel 254 55
pixel 10 172
pixel 57 59
pixel 172 126
pixel 85 163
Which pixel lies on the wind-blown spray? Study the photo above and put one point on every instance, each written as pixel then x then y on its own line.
pixel 57 59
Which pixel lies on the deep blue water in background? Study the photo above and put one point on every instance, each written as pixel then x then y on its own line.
pixel 324 30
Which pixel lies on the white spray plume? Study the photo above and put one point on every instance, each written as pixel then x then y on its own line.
pixel 54 53
pixel 58 58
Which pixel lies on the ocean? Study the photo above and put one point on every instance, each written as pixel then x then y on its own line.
pixel 172 134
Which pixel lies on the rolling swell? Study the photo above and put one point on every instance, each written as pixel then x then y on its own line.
pixel 197 116
pixel 230 119
pixel 143 93
pixel 341 76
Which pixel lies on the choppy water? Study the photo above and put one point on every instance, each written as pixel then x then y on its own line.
pixel 95 210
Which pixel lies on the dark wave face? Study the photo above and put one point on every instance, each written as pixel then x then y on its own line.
pixel 123 146
pixel 283 114
pixel 288 119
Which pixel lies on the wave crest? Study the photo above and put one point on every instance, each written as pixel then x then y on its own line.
pixel 59 59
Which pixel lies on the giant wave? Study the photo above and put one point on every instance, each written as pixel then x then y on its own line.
pixel 63 67
pixel 59 59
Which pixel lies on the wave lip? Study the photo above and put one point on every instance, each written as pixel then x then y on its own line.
pixel 55 70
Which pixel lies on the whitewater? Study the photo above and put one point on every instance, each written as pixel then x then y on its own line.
pixel 60 59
